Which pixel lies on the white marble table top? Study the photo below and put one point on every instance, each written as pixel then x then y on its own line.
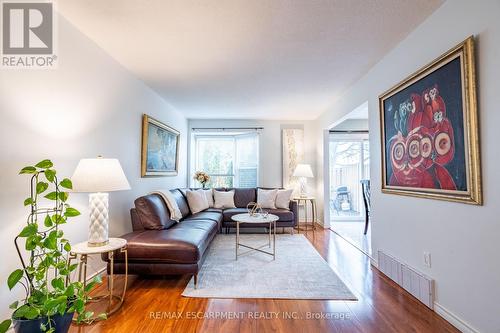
pixel 246 218
pixel 303 198
pixel 84 248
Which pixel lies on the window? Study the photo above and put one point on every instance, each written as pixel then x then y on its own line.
pixel 231 160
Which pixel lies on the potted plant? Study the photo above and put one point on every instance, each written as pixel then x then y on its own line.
pixel 202 177
pixel 51 299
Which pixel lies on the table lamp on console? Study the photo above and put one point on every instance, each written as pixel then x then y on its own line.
pixel 98 176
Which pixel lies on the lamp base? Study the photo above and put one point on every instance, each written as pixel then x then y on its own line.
pixel 99 219
pixel 89 244
pixel 303 187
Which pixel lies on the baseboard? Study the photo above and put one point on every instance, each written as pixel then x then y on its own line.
pixel 373 262
pixel 453 319
pixel 444 313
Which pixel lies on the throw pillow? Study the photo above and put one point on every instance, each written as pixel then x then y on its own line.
pixel 224 199
pixel 210 197
pixel 197 201
pixel 283 199
pixel 267 198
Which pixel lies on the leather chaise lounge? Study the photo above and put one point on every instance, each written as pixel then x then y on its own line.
pixel 161 246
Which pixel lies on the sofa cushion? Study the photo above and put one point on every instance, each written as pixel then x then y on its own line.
pixel 198 223
pixel 243 196
pixel 228 213
pixel 213 216
pixel 184 243
pixel 184 190
pixel 283 214
pixel 181 202
pixel 214 210
pixel 153 213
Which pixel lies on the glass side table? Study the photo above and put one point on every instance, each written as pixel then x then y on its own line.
pixel 82 251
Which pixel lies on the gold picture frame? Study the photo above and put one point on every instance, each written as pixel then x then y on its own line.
pixel 431 148
pixel 158 142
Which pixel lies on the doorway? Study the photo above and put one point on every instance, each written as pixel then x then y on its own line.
pixel 349 165
pixel 348 169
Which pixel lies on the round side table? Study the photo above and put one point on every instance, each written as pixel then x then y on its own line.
pixel 306 224
pixel 82 250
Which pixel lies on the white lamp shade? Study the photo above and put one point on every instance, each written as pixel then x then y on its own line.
pixel 303 170
pixel 99 175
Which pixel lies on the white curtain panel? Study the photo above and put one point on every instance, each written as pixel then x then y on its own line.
pixel 293 154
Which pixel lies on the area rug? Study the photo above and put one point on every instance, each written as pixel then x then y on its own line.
pixel 299 271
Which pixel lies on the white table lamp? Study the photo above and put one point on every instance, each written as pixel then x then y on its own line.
pixel 303 171
pixel 97 176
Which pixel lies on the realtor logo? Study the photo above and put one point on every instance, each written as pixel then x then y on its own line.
pixel 28 35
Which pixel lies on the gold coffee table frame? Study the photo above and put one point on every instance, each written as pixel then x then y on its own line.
pixel 246 218
pixel 82 250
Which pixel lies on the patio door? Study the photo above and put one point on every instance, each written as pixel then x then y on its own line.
pixel 349 156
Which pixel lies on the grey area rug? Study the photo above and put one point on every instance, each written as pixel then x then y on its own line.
pixel 299 271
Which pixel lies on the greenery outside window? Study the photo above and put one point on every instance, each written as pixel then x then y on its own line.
pixel 231 160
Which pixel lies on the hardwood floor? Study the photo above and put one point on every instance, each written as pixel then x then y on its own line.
pixel 156 305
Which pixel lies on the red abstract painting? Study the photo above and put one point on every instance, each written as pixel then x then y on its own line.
pixel 429 131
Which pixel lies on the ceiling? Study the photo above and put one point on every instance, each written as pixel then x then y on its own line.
pixel 254 59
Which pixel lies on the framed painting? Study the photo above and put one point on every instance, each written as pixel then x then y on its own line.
pixel 293 154
pixel 429 131
pixel 160 148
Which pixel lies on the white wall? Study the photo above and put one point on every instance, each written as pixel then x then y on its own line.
pixel 89 105
pixel 462 239
pixel 353 125
pixel 270 154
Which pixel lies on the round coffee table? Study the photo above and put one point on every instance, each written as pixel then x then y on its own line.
pixel 256 219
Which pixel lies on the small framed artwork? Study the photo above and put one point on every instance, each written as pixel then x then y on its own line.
pixel 160 148
pixel 429 131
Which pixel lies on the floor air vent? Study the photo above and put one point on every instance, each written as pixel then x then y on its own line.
pixel 416 283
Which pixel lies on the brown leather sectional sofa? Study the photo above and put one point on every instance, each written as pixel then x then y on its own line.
pixel 161 246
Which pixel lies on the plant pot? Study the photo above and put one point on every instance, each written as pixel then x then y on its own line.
pixel 60 323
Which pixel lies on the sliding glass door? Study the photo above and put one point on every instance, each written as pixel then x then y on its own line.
pixel 349 164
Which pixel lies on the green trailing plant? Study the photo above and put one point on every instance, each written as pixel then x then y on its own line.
pixel 45 274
